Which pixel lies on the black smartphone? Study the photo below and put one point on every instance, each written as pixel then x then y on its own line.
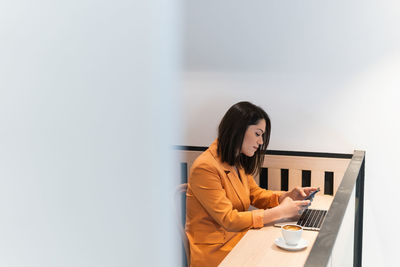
pixel 311 196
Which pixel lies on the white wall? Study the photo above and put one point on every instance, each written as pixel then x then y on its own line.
pixel 327 72
pixel 87 93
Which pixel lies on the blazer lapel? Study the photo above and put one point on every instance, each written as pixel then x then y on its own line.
pixel 245 182
pixel 241 188
pixel 238 186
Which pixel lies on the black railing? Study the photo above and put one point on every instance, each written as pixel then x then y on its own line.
pixel 353 179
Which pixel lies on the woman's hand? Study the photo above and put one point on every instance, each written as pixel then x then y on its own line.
pixel 298 193
pixel 287 206
pixel 290 208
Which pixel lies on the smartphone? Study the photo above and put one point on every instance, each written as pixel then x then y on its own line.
pixel 311 196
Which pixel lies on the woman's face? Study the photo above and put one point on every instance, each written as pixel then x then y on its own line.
pixel 253 138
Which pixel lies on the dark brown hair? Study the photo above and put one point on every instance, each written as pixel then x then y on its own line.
pixel 231 133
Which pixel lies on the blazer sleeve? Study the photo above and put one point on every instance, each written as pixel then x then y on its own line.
pixel 262 198
pixel 206 186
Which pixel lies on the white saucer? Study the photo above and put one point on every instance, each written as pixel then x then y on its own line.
pixel 280 242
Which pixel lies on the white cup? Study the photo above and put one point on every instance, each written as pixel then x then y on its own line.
pixel 292 233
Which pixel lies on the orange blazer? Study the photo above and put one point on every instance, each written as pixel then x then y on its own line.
pixel 217 203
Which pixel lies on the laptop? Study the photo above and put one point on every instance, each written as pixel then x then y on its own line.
pixel 310 219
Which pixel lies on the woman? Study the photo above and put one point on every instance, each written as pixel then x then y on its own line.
pixel 221 187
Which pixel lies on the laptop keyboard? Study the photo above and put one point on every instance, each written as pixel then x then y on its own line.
pixel 312 219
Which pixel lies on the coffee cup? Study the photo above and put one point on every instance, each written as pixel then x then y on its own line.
pixel 292 234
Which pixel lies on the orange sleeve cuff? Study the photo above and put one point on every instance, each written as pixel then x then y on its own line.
pixel 258 218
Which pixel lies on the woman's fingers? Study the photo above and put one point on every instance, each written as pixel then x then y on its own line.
pixel 309 190
pixel 298 193
pixel 303 202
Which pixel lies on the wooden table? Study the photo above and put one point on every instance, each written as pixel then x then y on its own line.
pixel 257 247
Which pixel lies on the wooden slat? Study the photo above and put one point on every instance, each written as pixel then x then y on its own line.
pixel 318 180
pixel 294 178
pixel 274 179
